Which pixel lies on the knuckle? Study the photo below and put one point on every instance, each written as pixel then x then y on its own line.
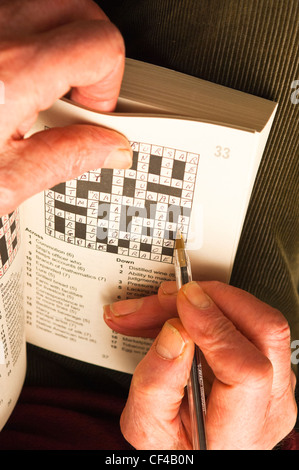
pixel 261 375
pixel 278 330
pixel 217 333
pixel 113 37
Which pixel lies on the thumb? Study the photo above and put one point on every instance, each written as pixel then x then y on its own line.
pixel 56 155
pixel 151 418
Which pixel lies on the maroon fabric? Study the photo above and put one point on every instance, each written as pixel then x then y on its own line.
pixel 291 442
pixel 62 419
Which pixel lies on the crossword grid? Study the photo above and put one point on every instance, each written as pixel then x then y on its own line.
pixel 9 240
pixel 134 212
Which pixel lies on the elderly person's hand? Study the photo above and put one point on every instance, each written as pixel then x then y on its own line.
pixel 249 382
pixel 47 49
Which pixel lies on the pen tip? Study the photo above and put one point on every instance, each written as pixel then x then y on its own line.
pixel 179 243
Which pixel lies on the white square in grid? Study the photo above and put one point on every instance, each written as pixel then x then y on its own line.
pixel 151 196
pixel 92 212
pixel 69 191
pixel 176 183
pixel 81 219
pixel 80 242
pixel 123 251
pixel 166 259
pixel 186 203
pixel 130 173
pixel 70 200
pixel 164 180
pixel 101 246
pixel 168 152
pixel 59 212
pixel 166 172
pixel 180 155
pixel 118 190
pixel 162 199
pixel 117 180
pixel 139 203
pixel 140 184
pixel 187 194
pixel 119 172
pixel 127 201
pixel 94 195
pixel 167 163
pixel 144 148
pixel 95 176
pixel 116 199
pixel 81 202
pixel 71 184
pixel 193 158
pixel 160 224
pixel 143 158
pixel 190 168
pixel 59 197
pixel 152 178
pixel 141 175
pixel 105 197
pixel 134 245
pixel 188 186
pixel 134 253
pixel 140 194
pixel 70 224
pixel 135 146
pixel 157 150
pixel 84 177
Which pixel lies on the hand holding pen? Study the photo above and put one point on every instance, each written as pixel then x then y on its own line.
pixel 248 378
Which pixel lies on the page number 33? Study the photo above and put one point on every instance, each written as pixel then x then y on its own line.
pixel 222 152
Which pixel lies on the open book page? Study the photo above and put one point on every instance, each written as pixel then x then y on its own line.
pixel 12 335
pixel 109 234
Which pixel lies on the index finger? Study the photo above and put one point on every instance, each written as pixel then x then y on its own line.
pixel 23 18
pixel 85 54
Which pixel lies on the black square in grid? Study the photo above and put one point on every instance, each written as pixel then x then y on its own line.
pixel 129 187
pixel 167 251
pixel 80 230
pixel 134 161
pixel 155 165
pixel 145 247
pixel 112 248
pixel 178 170
pixel 123 243
pixel 59 224
pixel 59 188
pixel 3 250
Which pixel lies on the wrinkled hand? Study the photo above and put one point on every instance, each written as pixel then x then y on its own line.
pixel 248 377
pixel 47 49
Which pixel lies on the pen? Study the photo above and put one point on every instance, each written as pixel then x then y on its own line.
pixel 195 386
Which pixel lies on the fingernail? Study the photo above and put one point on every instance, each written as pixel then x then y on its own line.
pixel 196 295
pixel 169 288
pixel 170 343
pixel 106 312
pixel 125 307
pixel 119 159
